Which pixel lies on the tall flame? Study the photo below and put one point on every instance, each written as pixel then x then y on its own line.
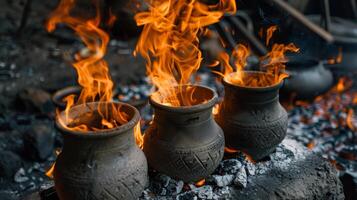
pixel 93 71
pixel 169 40
pixel 273 64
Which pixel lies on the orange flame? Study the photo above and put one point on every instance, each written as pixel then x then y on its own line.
pixel 138 136
pixel 169 40
pixel 274 64
pixel 337 59
pixel 230 150
pixel 200 183
pixel 350 119
pixel 276 60
pixel 93 71
pixel 270 33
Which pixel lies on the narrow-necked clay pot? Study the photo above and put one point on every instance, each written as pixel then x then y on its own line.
pixel 252 118
pixel 103 164
pixel 307 79
pixel 185 142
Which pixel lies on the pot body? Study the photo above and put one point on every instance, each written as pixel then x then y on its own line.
pixel 252 119
pixel 185 142
pixel 95 166
pixel 307 79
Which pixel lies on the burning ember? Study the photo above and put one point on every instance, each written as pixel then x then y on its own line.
pixel 328 124
pixel 93 71
pixel 169 42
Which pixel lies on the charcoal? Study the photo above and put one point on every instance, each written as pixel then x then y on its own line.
pixel 250 169
pixel 165 186
pixel 230 166
pixel 39 141
pixel 8 195
pixel 240 179
pixel 20 176
pixel 205 192
pixel 190 195
pixel 222 181
pixel 9 164
pixel 36 100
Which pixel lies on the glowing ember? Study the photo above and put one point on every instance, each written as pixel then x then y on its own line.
pixel 200 183
pixel 229 150
pixel 169 41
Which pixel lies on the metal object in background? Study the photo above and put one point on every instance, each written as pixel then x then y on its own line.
pixel 235 24
pixel 252 118
pixel 104 164
pixel 299 17
pixel 185 142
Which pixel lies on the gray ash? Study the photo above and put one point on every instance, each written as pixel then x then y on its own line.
pixel 232 174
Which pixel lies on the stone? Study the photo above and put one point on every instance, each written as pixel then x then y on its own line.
pixel 222 181
pixel 166 186
pixel 230 166
pixel 240 179
pixel 250 167
pixel 20 176
pixel 36 100
pixel 9 164
pixel 39 141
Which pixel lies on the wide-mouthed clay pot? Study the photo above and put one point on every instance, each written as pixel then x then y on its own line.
pixel 252 118
pixel 102 164
pixel 185 142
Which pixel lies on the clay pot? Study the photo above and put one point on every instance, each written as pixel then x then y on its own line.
pixel 252 118
pixel 104 164
pixel 185 142
pixel 307 79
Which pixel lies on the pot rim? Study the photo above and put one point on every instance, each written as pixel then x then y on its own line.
pixel 248 88
pixel 58 96
pixel 187 109
pixel 105 132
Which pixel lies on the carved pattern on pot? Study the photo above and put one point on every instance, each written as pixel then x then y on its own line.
pixel 252 119
pixel 185 142
pixel 102 165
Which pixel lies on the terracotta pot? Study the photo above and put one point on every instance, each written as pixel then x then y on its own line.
pixel 185 142
pixel 104 164
pixel 252 118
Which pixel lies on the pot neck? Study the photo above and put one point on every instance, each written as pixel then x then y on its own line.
pixel 251 95
pixel 98 145
pixel 185 117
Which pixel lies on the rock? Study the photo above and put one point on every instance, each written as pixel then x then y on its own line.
pixel 20 176
pixel 36 100
pixel 230 166
pixel 165 186
pixel 8 195
pixel 39 141
pixel 190 195
pixel 305 176
pixel 222 181
pixel 250 169
pixel 204 192
pixel 241 178
pixel 9 164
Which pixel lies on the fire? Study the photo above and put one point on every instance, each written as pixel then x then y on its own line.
pixel 169 41
pixel 229 150
pixel 138 136
pixel 93 71
pixel 270 33
pixel 200 183
pixel 273 63
pixel 337 59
